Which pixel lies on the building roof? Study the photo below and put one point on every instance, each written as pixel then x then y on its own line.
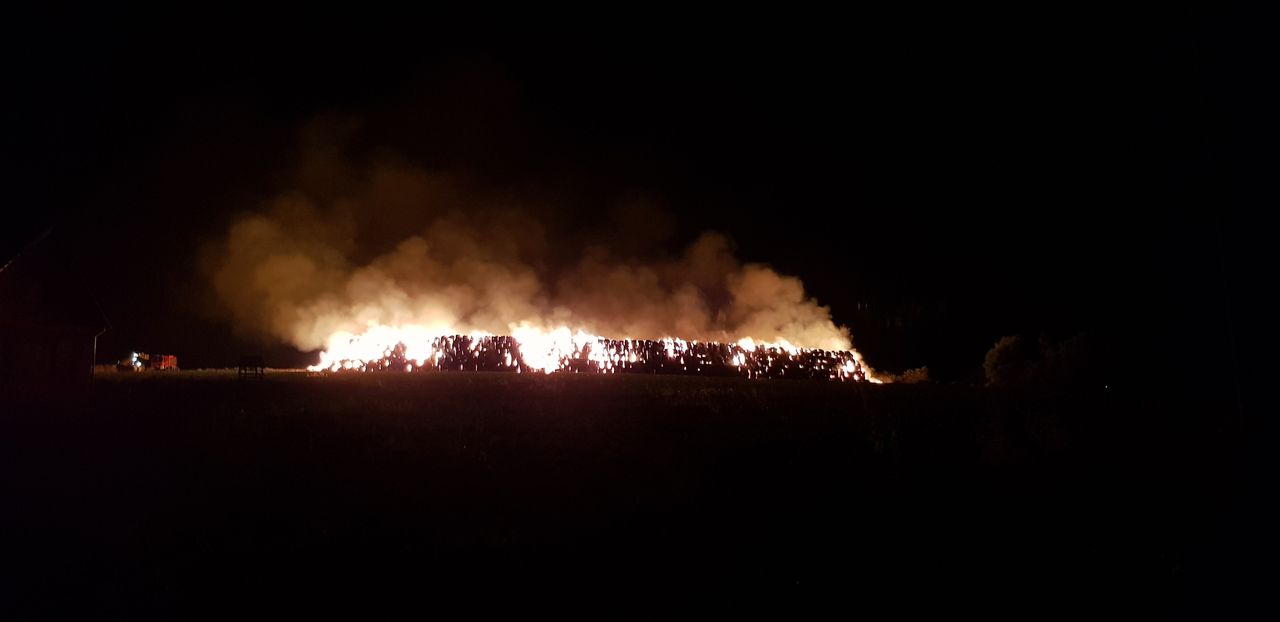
pixel 39 286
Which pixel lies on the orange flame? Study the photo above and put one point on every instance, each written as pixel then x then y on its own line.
pixel 560 348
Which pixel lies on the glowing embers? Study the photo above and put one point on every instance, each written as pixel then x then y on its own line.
pixel 532 350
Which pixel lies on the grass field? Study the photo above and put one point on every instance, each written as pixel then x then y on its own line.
pixel 168 493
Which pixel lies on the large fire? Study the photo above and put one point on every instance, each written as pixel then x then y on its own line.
pixel 531 349
pixel 480 286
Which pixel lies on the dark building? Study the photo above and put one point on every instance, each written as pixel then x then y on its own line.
pixel 49 324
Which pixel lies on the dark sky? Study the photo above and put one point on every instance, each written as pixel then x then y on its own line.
pixel 939 178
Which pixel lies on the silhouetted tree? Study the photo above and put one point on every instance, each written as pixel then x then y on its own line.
pixel 1007 362
pixel 1066 364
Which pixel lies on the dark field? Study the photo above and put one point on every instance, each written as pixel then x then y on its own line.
pixel 196 492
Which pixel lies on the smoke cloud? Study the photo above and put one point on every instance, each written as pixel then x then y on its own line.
pixel 384 242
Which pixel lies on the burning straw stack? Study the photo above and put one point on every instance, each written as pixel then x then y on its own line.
pixel 611 356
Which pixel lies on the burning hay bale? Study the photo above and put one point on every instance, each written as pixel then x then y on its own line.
pixel 582 353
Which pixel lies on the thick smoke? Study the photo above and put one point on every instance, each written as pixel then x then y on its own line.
pixel 353 246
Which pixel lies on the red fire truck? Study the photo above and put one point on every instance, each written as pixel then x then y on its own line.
pixel 141 361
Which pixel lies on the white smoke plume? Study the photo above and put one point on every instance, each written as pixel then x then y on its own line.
pixel 391 244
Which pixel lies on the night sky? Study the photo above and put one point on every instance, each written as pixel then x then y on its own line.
pixel 938 178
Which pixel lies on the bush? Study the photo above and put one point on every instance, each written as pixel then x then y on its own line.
pixel 1007 363
pixel 1067 364
pixel 913 376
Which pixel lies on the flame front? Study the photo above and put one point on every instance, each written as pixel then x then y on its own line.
pixel 533 349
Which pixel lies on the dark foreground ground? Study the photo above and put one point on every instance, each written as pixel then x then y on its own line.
pixel 197 492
